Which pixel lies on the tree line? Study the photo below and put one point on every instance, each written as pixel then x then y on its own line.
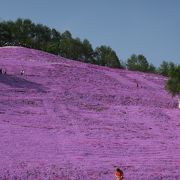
pixel 23 32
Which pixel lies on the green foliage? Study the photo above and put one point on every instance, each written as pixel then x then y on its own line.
pixel 69 47
pixel 75 49
pixel 166 68
pixel 138 63
pixel 5 33
pixel 65 45
pixel 76 46
pixel 173 84
pixel 105 56
pixel 24 32
pixel 87 51
pixel 152 68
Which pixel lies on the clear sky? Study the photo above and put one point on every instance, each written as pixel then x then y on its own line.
pixel 149 27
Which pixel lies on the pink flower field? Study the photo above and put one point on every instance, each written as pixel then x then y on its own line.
pixel 67 120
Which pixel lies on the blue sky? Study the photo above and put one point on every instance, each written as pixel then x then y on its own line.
pixel 149 27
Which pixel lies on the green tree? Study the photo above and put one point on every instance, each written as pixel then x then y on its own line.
pixel 164 68
pixel 53 46
pixel 27 34
pixel 65 45
pixel 87 51
pixel 143 64
pixel 152 68
pixel 138 63
pixel 173 84
pixel 5 33
pixel 105 56
pixel 172 67
pixel 77 49
pixel 132 62
pixel 71 48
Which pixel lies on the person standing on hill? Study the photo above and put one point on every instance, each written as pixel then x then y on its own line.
pixel 119 174
pixel 2 71
pixel 22 72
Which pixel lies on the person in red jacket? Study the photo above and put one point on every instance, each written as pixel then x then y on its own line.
pixel 119 174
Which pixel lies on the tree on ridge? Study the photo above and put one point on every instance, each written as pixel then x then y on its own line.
pixel 173 84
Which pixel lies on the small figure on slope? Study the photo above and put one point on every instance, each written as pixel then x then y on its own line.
pixel 22 72
pixel 119 174
pixel 3 71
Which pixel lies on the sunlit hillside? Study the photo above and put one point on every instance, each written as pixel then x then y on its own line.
pixel 64 119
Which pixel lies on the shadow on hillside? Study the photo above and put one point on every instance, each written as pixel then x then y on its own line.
pixel 18 82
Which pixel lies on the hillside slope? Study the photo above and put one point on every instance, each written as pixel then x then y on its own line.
pixel 68 120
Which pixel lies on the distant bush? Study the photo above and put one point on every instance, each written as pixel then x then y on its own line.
pixel 173 84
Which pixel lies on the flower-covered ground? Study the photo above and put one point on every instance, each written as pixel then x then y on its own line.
pixel 67 120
